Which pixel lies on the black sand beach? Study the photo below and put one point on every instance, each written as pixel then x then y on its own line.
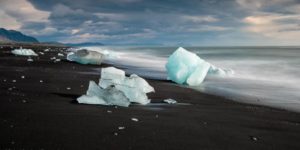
pixel 39 111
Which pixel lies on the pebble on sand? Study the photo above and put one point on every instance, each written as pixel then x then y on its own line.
pixel 121 128
pixel 135 119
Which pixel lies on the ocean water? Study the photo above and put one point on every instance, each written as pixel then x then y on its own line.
pixel 267 76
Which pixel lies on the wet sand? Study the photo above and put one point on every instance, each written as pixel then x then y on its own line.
pixel 39 111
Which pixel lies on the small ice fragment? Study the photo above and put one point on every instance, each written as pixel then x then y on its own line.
pixel 24 52
pixel 215 71
pixel 41 81
pixel 30 60
pixel 24 101
pixel 170 101
pixel 41 53
pixel 57 60
pixel 86 57
pixel 46 50
pixel 121 128
pixel 60 54
pixel 68 88
pixel 14 81
pixel 52 58
pixel 109 111
pixel 116 134
pixel 135 119
pixel 4 80
pixel 253 138
pixel 23 77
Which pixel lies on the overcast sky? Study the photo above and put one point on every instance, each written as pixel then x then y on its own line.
pixel 166 22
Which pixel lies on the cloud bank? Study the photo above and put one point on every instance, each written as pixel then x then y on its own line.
pixel 168 22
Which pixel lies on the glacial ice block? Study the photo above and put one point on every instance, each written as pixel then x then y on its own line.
pixel 134 87
pixel 108 96
pixel 116 89
pixel 111 76
pixel 24 52
pixel 86 57
pixel 200 72
pixel 184 67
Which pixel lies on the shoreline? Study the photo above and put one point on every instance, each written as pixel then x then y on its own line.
pixel 43 115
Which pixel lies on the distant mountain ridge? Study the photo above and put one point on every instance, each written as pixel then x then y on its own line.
pixel 15 36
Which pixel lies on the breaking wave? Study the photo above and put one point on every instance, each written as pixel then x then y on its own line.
pixel 263 75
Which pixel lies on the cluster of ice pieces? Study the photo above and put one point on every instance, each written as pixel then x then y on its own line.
pixel 84 56
pixel 116 89
pixel 24 52
pixel 184 67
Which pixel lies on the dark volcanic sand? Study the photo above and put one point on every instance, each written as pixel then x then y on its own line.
pixel 35 115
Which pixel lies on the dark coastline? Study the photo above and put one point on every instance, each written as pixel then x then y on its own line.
pixel 45 115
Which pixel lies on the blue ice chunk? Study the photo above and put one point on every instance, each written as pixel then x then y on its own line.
pixel 184 67
pixel 199 74
pixel 24 52
pixel 84 56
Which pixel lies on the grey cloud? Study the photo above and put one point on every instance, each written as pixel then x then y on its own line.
pixel 152 20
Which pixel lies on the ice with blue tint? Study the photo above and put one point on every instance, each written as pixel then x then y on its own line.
pixel 116 89
pixel 170 101
pixel 184 67
pixel 100 96
pixel 24 52
pixel 84 56
pixel 213 70
pixel 134 87
pixel 111 76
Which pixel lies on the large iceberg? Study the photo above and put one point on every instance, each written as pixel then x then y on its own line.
pixel 24 52
pixel 84 56
pixel 116 89
pixel 184 67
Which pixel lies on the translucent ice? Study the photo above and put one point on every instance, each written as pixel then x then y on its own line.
pixel 116 89
pixel 184 67
pixel 134 87
pixel 170 101
pixel 213 70
pixel 86 57
pixel 24 52
pixel 108 96
pixel 111 76
pixel 60 54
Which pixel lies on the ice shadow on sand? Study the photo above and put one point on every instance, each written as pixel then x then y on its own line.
pixel 71 96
